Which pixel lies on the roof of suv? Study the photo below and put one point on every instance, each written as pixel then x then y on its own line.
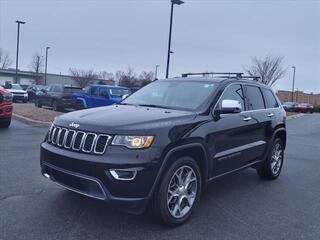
pixel 219 80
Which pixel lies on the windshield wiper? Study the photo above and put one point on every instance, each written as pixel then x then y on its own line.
pixel 153 105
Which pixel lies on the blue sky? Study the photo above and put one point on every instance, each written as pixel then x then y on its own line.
pixel 207 35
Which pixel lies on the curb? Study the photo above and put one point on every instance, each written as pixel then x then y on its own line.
pixel 295 116
pixel 30 121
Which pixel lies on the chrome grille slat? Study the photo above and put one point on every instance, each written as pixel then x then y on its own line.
pixel 79 141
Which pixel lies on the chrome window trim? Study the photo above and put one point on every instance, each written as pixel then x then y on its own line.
pixel 105 146
pixel 93 142
pixel 242 85
pixel 69 131
pixel 81 143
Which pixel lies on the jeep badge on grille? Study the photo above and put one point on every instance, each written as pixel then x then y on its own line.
pixel 74 125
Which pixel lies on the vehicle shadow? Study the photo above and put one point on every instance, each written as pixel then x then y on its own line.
pixel 217 197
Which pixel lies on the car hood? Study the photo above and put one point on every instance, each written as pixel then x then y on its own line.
pixel 123 118
pixel 16 91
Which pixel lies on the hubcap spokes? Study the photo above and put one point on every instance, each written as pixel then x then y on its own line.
pixel 182 191
pixel 276 160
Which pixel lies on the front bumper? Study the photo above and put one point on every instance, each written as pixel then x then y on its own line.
pixel 90 175
pixel 5 111
pixel 19 97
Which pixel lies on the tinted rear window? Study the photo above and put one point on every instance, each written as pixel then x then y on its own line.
pixel 255 98
pixel 271 101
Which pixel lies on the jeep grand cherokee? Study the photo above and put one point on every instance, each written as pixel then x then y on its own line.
pixel 162 144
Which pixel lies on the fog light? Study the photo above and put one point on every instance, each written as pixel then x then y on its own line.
pixel 46 175
pixel 123 174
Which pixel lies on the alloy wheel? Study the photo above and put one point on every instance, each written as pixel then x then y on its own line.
pixel 182 192
pixel 276 159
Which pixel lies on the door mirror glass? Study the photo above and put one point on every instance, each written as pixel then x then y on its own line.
pixel 229 106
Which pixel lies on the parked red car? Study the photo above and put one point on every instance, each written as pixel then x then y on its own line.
pixel 304 108
pixel 5 108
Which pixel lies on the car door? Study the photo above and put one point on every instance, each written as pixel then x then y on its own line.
pixel 103 97
pixel 230 135
pixel 262 119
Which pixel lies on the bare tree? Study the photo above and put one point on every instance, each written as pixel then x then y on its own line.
pixel 127 78
pixel 37 63
pixel 269 69
pixel 106 75
pixel 5 60
pixel 145 78
pixel 83 77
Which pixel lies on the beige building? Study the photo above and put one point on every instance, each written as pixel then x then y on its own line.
pixel 299 97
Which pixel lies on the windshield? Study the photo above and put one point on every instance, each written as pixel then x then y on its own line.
pixel 16 87
pixel 184 95
pixel 119 92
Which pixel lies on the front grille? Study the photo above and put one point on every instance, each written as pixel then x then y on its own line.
pixel 79 141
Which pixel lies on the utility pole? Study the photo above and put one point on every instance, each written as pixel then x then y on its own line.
pixel 293 80
pixel 17 56
pixel 46 66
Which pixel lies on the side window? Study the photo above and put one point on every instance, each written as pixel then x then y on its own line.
pixel 271 101
pixel 233 92
pixel 93 91
pixel 255 98
pixel 103 92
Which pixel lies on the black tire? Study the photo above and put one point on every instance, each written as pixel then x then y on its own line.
pixel 37 103
pixel 160 207
pixel 267 170
pixel 79 105
pixel 56 107
pixel 5 123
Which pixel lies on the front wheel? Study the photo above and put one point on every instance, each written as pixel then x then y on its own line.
pixel 179 192
pixel 271 168
pixel 37 103
pixel 5 123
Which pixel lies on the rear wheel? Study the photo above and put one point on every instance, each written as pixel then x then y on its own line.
pixel 37 103
pixel 5 123
pixel 56 107
pixel 179 192
pixel 271 168
pixel 79 105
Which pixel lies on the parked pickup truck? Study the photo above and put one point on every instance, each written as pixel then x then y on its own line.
pixel 99 95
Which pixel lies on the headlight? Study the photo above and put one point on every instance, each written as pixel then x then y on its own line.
pixel 134 142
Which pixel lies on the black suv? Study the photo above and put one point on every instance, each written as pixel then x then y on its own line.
pixel 56 96
pixel 162 144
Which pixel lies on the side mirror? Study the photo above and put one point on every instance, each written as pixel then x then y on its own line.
pixel 44 90
pixel 229 106
pixel 125 96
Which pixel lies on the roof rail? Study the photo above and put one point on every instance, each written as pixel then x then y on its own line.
pixel 227 74
pixel 255 78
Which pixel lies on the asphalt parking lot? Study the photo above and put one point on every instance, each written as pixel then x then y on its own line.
pixel 240 206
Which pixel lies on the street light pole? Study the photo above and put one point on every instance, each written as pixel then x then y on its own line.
pixel 17 56
pixel 173 2
pixel 293 79
pixel 46 66
pixel 156 73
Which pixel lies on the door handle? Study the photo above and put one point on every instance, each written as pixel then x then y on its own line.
pixel 247 119
pixel 270 115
